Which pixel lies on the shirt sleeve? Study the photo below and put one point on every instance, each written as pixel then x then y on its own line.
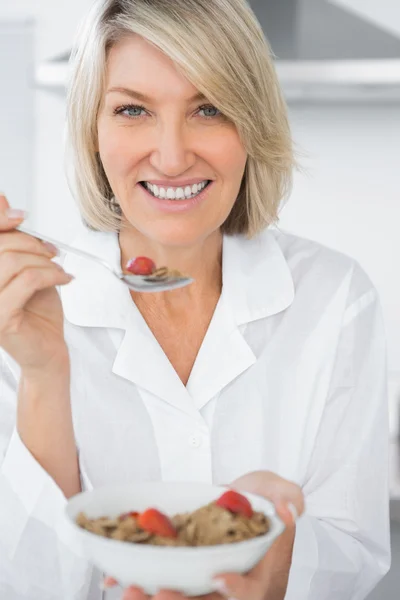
pixel 39 560
pixel 342 543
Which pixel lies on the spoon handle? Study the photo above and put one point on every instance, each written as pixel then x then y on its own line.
pixel 68 248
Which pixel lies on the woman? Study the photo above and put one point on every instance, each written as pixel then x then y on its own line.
pixel 269 369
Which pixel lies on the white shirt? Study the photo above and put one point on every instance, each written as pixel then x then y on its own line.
pixel 290 378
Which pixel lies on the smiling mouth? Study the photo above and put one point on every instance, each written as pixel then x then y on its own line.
pixel 180 193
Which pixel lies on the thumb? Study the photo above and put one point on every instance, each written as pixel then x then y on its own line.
pixel 238 587
pixel 3 203
pixel 9 218
pixel 286 495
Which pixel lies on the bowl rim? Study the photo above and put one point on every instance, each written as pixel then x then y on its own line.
pixel 277 523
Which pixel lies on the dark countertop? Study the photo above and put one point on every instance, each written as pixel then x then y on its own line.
pixel 395 481
pixel 395 470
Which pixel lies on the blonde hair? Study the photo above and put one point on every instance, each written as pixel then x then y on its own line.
pixel 220 48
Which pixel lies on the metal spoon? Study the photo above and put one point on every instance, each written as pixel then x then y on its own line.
pixel 138 283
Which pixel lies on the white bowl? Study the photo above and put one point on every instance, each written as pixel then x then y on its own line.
pixel 188 570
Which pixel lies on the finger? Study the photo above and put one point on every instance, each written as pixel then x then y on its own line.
pixel 4 205
pixel 14 297
pixel 238 587
pixel 9 217
pixel 108 582
pixel 169 595
pixel 290 507
pixel 287 512
pixel 212 596
pixel 134 593
pixel 273 487
pixel 14 263
pixel 16 241
pixel 262 483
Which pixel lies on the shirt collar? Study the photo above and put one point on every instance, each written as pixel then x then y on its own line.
pixel 257 281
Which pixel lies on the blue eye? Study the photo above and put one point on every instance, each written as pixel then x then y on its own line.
pixel 130 108
pixel 211 108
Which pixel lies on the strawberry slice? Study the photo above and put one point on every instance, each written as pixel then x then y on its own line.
pixel 235 503
pixel 141 266
pixel 154 521
pixel 132 514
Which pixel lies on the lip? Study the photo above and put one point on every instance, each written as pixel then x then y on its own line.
pixel 176 206
pixel 167 184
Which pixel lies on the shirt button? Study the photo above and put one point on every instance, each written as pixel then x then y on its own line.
pixel 194 441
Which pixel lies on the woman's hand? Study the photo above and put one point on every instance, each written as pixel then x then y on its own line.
pixel 31 316
pixel 268 579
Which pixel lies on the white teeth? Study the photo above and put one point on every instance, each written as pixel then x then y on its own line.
pixel 179 193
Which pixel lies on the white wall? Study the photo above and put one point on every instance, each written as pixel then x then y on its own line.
pixel 56 20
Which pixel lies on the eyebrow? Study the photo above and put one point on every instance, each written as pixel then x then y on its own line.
pixel 143 98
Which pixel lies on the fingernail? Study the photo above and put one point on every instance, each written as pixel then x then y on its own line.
pixel 51 248
pixel 219 585
pixel 104 587
pixel 293 511
pixel 107 583
pixel 15 213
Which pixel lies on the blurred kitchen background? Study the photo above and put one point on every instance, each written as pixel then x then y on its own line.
pixel 339 64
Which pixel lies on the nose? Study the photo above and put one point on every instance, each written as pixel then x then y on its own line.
pixel 173 153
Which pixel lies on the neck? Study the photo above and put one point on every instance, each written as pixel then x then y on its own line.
pixel 202 261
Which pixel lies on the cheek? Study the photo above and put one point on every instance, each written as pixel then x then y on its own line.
pixel 116 151
pixel 228 157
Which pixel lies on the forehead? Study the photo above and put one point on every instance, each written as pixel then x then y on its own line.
pixel 136 63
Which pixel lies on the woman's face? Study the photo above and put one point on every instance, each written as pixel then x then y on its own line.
pixel 153 130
